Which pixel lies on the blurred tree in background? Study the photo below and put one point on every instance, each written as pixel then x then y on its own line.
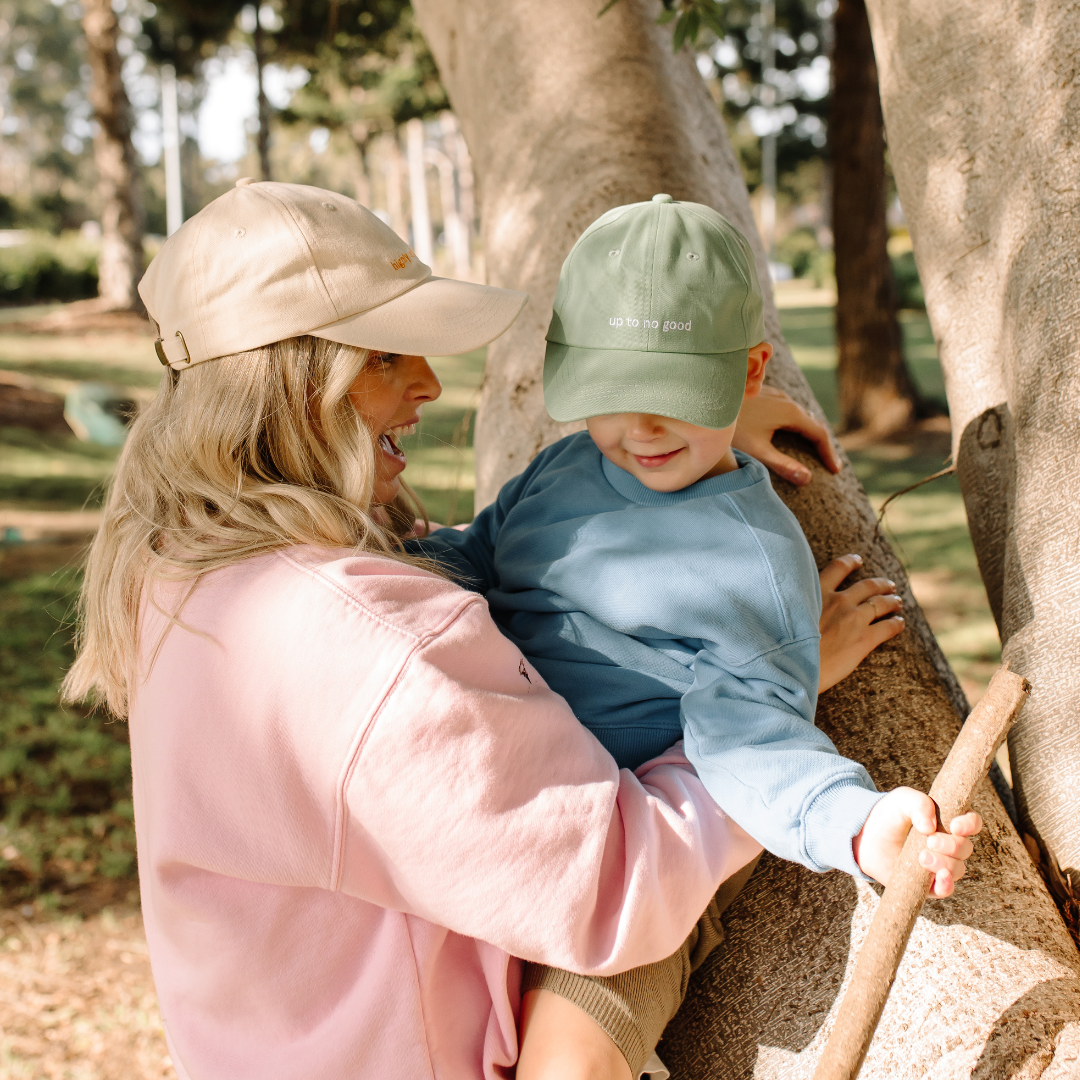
pixel 46 162
pixel 804 74
pixel 355 71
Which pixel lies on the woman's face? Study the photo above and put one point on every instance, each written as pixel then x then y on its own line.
pixel 388 394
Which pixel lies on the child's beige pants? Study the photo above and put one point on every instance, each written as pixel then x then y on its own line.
pixel 635 1006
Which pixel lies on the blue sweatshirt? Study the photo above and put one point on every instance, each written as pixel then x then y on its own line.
pixel 664 615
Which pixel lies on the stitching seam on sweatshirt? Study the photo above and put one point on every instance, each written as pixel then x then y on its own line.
pixel 768 566
pixel 365 726
pixel 349 598
pixel 360 740
pixel 419 994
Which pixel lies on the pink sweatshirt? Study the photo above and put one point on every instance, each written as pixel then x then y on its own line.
pixel 356 804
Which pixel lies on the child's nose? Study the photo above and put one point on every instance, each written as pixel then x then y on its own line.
pixel 645 426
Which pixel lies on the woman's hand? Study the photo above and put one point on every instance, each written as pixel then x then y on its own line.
pixel 878 844
pixel 771 411
pixel 854 621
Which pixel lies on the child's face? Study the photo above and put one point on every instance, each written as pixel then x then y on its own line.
pixel 663 453
pixel 666 454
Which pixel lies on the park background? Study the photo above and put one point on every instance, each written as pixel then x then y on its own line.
pixel 358 108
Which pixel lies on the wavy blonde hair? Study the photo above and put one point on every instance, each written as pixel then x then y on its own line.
pixel 233 458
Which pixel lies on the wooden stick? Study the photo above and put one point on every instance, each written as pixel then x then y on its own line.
pixel 967 763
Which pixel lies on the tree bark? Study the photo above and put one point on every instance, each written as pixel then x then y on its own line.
pixel 262 137
pixel 567 115
pixel 982 103
pixel 876 391
pixel 120 264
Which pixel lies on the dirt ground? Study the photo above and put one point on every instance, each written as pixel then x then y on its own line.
pixel 77 1001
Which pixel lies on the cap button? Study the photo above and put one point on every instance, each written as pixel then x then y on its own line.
pixel 662 198
pixel 245 180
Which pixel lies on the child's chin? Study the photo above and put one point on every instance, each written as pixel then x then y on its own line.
pixel 662 483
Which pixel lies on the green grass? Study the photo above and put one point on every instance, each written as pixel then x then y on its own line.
pixel 809 332
pixel 45 471
pixel 441 460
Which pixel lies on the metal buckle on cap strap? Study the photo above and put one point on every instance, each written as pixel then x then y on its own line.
pixel 159 348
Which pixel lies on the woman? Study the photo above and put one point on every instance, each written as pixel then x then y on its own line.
pixel 356 805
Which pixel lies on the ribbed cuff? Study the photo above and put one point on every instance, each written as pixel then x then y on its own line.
pixel 833 819
pixel 633 1007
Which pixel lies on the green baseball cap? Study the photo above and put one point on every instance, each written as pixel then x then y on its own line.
pixel 657 307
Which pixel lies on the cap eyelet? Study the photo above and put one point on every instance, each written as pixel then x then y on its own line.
pixel 329 206
pixel 614 252
pixel 693 255
pixel 240 233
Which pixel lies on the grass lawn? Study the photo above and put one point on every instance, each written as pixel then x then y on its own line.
pixel 66 838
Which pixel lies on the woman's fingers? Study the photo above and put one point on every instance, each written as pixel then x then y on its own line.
pixel 861 591
pixel 833 574
pixel 885 630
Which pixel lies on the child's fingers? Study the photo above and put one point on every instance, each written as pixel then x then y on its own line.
pixel 787 467
pixel 818 434
pixel 943 884
pixel 919 809
pixel 840 568
pixel 943 869
pixel 791 416
pixel 949 846
pixel 969 824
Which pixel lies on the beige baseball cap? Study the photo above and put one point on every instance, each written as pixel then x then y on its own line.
pixel 269 261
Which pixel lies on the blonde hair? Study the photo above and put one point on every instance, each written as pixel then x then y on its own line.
pixel 234 458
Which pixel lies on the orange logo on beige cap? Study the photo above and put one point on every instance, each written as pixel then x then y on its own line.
pixel 404 260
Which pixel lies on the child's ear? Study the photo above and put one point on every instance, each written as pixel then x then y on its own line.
pixel 755 368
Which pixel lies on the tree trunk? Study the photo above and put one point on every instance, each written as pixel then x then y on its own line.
pixel 983 111
pixel 262 138
pixel 567 115
pixel 877 394
pixel 120 264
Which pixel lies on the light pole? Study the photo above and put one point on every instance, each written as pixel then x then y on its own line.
pixel 170 148
pixel 768 141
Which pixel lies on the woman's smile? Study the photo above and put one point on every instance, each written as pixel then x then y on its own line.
pixel 388 394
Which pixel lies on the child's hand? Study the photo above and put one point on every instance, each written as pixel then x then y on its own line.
pixel 877 846
pixel 771 411
pixel 853 621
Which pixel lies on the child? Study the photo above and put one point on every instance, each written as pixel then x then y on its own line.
pixel 650 574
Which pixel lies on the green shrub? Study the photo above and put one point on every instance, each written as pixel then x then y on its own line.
pixel 65 773
pixel 908 285
pixel 806 257
pixel 48 268
pixel 798 249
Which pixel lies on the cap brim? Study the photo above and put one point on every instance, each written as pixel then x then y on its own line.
pixel 703 389
pixel 438 317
